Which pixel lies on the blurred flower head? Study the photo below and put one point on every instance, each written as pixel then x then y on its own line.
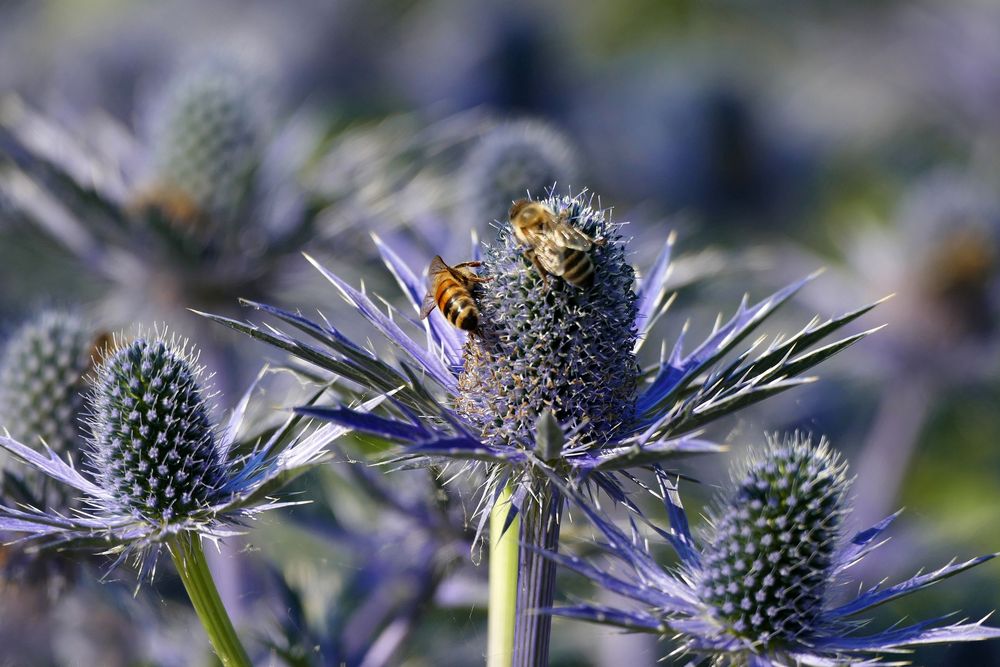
pixel 514 160
pixel 207 133
pixel 199 205
pixel 941 259
pixel 757 588
pixel 42 368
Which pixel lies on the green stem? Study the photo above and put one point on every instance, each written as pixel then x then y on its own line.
pixel 190 561
pixel 503 585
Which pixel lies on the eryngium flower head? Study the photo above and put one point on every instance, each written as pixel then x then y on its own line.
pixel 549 384
pixel 156 465
pixel 512 161
pixel 772 544
pixel 207 138
pixel 154 447
pixel 41 380
pixel 756 592
pixel 549 345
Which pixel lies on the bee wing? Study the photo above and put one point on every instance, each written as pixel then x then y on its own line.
pixel 568 236
pixel 436 267
pixel 427 306
pixel 551 257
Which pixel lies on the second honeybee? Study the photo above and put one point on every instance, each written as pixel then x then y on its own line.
pixel 554 246
pixel 451 291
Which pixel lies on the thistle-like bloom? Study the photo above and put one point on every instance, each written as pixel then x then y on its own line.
pixel 511 161
pixel 156 466
pixel 756 589
pixel 42 370
pixel 550 382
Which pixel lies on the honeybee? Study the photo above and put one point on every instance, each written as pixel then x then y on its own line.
pixel 99 348
pixel 553 245
pixel 451 291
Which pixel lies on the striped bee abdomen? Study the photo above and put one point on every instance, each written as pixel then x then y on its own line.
pixel 450 291
pixel 578 268
pixel 457 305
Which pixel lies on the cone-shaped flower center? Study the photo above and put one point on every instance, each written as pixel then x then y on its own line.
pixel 552 345
pixel 154 448
pixel 766 570
pixel 41 380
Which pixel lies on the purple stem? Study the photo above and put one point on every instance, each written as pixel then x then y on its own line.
pixel 540 521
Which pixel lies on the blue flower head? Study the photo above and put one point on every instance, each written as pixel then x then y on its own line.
pixel 154 447
pixel 549 345
pixel 756 588
pixel 208 132
pixel 156 465
pixel 513 160
pixel 550 383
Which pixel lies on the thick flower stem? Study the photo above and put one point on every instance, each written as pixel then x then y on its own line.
pixel 191 564
pixel 540 523
pixel 503 585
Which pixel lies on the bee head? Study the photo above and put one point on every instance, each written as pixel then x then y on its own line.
pixel 517 207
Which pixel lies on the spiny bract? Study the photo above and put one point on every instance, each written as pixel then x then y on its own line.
pixel 552 346
pixel 154 448
pixel 773 542
pixel 41 380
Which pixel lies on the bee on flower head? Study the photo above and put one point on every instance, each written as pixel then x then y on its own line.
pixel 554 246
pixel 451 290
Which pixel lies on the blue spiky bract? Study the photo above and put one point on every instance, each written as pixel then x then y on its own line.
pixel 773 541
pixel 42 372
pixel 551 345
pixel 154 448
pixel 510 162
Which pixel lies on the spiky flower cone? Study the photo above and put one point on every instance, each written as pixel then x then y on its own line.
pixel 154 448
pixel 773 543
pixel 41 380
pixel 551 345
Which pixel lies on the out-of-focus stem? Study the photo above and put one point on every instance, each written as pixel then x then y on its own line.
pixel 890 446
pixel 191 565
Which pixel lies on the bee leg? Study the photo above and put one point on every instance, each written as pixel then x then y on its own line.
pixel 599 241
pixel 530 254
pixel 467 264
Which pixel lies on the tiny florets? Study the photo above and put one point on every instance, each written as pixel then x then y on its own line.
pixel 551 345
pixel 41 380
pixel 773 542
pixel 154 447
